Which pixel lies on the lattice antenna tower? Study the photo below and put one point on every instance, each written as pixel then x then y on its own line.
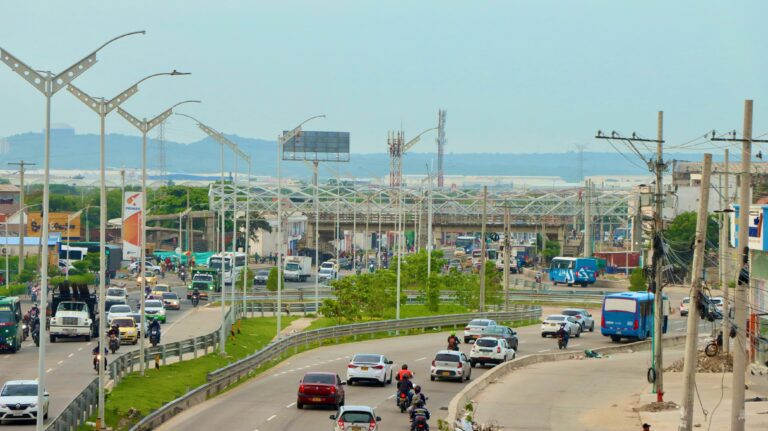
pixel 161 166
pixel 580 163
pixel 440 145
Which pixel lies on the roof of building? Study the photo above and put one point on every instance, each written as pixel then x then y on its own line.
pixel 695 167
pixel 28 241
pixel 9 188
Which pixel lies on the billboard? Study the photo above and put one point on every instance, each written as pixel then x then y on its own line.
pixel 758 223
pixel 317 146
pixel 133 208
pixel 57 223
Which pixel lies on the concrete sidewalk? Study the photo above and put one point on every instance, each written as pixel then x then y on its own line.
pixel 603 394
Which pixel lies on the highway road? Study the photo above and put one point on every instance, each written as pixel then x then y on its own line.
pixel 268 402
pixel 68 366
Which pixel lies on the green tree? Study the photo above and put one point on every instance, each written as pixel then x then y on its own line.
pixel 680 233
pixel 272 279
pixel 551 250
pixel 637 280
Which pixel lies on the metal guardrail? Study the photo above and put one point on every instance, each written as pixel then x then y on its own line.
pixel 85 403
pixel 224 377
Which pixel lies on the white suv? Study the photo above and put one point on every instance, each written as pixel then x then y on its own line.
pixel 475 328
pixel 18 401
pixel 490 350
pixel 450 364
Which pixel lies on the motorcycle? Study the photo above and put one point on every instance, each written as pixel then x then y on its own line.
pixel 419 424
pixel 24 330
pixel 195 300
pixel 114 343
pixel 561 342
pixel 154 337
pixel 36 331
pixel 402 402
pixel 97 360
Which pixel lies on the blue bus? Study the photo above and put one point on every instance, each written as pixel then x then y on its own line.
pixel 573 270
pixel 467 243
pixel 630 315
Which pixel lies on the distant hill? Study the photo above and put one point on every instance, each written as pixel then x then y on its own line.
pixel 74 151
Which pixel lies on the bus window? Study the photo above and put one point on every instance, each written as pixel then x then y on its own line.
pixel 620 304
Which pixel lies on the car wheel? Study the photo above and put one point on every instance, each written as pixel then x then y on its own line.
pixel 578 333
pixel 432 378
pixel 53 338
pixel 341 403
pixel 88 338
pixel 299 406
pixel 389 382
pixel 543 335
pixel 469 376
pixel 472 364
pixel 615 338
pixel 592 327
pixel 514 355
pixel 554 283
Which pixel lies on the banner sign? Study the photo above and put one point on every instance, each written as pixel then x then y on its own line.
pixel 133 209
pixel 758 223
pixel 57 223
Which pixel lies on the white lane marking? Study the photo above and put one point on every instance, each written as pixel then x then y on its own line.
pixel 271 417
pixel 49 370
pixel 290 405
pixel 390 397
pixel 339 358
pixel 421 359
pixel 60 362
pixel 81 349
pixel 290 371
pixel 545 350
pixel 6 356
pixel 70 355
pixel 575 345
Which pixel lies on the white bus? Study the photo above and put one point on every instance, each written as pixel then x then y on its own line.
pixel 230 272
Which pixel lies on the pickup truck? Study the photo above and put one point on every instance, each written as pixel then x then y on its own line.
pixel 297 268
pixel 73 311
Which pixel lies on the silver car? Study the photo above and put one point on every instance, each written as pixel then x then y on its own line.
pixel 353 418
pixel 18 401
pixel 582 316
pixel 475 328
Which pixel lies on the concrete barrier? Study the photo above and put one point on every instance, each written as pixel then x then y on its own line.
pixel 456 406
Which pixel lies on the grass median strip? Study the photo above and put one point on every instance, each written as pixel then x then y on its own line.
pixel 136 396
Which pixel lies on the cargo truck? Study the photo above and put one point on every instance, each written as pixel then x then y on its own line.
pixel 297 268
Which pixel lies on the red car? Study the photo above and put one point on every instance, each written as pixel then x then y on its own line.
pixel 320 388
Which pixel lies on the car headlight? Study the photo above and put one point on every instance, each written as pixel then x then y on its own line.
pixel 33 405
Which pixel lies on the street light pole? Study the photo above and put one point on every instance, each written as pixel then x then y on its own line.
pixel 49 84
pixel 103 107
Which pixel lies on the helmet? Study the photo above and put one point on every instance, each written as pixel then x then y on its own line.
pixel 453 333
pixel 417 389
pixel 405 366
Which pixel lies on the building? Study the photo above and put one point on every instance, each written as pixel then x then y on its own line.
pixel 266 242
pixel 9 199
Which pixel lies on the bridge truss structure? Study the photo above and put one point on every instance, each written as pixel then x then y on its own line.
pixel 450 207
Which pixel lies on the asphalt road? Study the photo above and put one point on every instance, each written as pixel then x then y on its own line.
pixel 268 402
pixel 69 362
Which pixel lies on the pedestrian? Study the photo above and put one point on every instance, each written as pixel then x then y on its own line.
pixel 646 427
pixel 29 288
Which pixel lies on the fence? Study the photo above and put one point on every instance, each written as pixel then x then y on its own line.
pixel 83 406
pixel 244 368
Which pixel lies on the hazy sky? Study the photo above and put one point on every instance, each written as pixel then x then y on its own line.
pixel 514 76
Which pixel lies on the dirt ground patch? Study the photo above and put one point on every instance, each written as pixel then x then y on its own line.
pixel 657 407
pixel 716 364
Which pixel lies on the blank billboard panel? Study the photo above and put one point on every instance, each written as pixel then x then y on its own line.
pixel 317 146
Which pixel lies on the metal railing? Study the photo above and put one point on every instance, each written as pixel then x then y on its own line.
pixel 85 403
pixel 222 378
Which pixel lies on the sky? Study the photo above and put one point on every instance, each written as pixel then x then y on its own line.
pixel 514 76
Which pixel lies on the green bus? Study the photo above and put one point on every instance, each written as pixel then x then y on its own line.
pixel 11 330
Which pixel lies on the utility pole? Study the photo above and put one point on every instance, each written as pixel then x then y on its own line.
pixel 691 359
pixel 505 257
pixel 658 167
pixel 588 236
pixel 725 258
pixel 484 250
pixel 22 226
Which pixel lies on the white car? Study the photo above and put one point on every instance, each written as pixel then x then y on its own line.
pixel 582 316
pixel 154 309
pixel 117 295
pixel 354 418
pixel 552 323
pixel 684 305
pixel 490 350
pixel 719 303
pixel 149 266
pixel 327 274
pixel 475 328
pixel 18 401
pixel 450 364
pixel 119 310
pixel 369 368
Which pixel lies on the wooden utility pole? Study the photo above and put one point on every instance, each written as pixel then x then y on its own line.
pixel 740 303
pixel 22 224
pixel 483 248
pixel 690 363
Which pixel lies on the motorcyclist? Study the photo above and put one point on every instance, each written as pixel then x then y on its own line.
pixel 419 414
pixel 563 333
pixel 34 312
pixel 154 327
pixel 453 341
pixel 404 372
pixel 418 396
pixel 114 330
pixel 95 353
pixel 404 387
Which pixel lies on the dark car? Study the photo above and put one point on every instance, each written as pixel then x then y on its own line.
pixel 345 263
pixel 502 332
pixel 320 389
pixel 261 276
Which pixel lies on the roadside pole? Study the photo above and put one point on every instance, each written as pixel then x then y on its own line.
pixel 657 254
pixel 690 364
pixel 483 249
pixel 725 259
pixel 506 257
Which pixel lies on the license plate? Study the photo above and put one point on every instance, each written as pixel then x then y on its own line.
pixel 18 413
pixel 445 373
pixel 317 400
pixel 364 368
pixel 69 331
pixel 356 429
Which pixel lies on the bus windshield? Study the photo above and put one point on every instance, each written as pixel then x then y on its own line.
pixel 215 263
pixel 620 304
pixel 493 254
pixel 7 316
pixel 465 242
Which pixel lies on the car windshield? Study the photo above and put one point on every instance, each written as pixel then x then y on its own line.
pixel 124 323
pixel 485 342
pixel 162 288
pixel 292 267
pixel 153 304
pixel 71 306
pixel 120 309
pixel 203 277
pixel 170 295
pixel 19 391
pixel 326 379
pixel 149 274
pixel 370 359
pixel 478 323
pixel 556 318
pixel 686 300
pixel 263 273
pixel 356 417
pixel 494 330
pixel 199 285
pixel 447 357
pixel 326 271
pixel 115 292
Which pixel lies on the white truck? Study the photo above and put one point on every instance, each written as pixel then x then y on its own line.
pixel 297 268
pixel 72 320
